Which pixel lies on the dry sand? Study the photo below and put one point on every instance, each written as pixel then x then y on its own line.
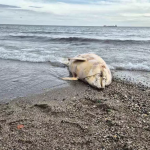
pixel 78 117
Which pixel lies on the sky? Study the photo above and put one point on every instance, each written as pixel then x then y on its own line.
pixel 76 12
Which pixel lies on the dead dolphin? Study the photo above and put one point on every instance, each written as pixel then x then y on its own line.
pixel 90 68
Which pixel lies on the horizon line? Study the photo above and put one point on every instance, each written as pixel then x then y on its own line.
pixel 74 25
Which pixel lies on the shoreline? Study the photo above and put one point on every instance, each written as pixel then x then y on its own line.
pixel 20 79
pixel 78 117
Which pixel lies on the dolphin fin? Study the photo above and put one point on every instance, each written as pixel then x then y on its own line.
pixel 78 59
pixel 70 78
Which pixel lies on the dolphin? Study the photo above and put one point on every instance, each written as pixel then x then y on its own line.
pixel 90 68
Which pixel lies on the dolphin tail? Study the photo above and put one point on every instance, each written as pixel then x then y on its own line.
pixel 65 61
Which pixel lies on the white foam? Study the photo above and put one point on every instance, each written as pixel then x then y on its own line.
pixel 25 56
pixel 131 66
pixel 41 55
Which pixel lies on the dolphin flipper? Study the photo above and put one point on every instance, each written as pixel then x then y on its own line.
pixel 70 78
pixel 78 59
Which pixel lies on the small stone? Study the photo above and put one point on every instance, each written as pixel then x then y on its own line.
pixel 145 115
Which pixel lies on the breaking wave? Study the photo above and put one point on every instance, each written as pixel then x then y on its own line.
pixel 43 32
pixel 131 67
pixel 27 57
pixel 58 61
pixel 72 39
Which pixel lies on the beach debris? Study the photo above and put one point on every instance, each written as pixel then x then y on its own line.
pixel 90 68
pixel 99 101
pixel 20 126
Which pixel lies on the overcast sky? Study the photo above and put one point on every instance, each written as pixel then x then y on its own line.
pixel 76 12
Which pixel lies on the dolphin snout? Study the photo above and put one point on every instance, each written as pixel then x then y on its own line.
pixel 103 83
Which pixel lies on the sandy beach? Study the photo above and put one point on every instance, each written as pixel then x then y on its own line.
pixel 41 111
pixel 78 117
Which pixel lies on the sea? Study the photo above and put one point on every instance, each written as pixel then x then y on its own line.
pixel 32 56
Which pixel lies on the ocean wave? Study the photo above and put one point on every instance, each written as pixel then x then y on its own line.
pixel 58 62
pixel 38 59
pixel 42 32
pixel 25 56
pixel 72 39
pixel 46 56
pixel 19 55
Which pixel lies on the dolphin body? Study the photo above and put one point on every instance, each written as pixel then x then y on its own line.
pixel 90 68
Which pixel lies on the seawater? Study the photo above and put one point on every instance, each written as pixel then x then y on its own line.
pixel 126 50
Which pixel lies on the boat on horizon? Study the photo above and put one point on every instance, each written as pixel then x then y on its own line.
pixel 110 26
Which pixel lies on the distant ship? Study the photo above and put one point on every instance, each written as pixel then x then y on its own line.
pixel 110 26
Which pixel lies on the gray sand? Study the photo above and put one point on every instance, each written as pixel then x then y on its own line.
pixel 116 118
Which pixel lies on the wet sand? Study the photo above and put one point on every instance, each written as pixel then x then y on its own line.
pixel 78 117
pixel 20 79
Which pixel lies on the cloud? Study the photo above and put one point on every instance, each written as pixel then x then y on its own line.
pixel 7 6
pixel 75 12
pixel 35 7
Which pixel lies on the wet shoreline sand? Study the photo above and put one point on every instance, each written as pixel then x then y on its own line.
pixel 78 117
pixel 21 79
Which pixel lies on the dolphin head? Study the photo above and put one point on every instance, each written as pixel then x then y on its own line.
pixel 97 80
pixel 103 79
